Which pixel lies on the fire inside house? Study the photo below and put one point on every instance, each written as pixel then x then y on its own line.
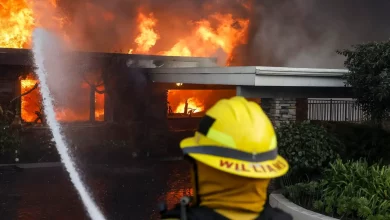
pixel 31 107
pixel 194 102
pixel 206 36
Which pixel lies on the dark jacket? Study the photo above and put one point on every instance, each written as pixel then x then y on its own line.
pixel 204 213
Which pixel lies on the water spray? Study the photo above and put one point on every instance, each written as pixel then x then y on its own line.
pixel 40 37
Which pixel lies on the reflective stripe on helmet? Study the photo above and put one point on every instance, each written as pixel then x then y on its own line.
pixel 232 153
pixel 205 129
pixel 221 138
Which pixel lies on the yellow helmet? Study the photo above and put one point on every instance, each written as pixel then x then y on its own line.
pixel 236 136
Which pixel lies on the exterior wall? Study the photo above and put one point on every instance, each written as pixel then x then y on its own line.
pixel 280 110
pixel 7 91
pixel 133 98
pixel 129 96
pixel 302 109
pixel 158 106
pixel 10 86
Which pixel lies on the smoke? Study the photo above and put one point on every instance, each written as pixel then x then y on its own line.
pixel 57 65
pixel 301 33
pixel 65 78
pixel 221 57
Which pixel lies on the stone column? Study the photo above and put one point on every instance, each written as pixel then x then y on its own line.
pixel 279 110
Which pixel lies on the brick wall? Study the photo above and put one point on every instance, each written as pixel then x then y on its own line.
pixel 279 110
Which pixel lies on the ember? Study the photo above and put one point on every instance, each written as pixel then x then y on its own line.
pixel 172 197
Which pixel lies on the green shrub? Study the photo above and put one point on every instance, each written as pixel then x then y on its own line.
pixel 304 194
pixel 9 142
pixel 356 190
pixel 307 147
pixel 350 190
pixel 361 141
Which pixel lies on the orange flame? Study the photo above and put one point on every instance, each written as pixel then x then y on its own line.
pixel 179 99
pixel 206 40
pixel 31 104
pixel 218 31
pixel 194 105
pixel 179 49
pixel 16 23
pixel 99 105
pixel 147 37
pixel 203 41
pixel 197 100
pixel 18 19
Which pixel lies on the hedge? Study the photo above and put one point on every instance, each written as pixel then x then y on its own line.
pixel 351 190
pixel 360 141
pixel 307 147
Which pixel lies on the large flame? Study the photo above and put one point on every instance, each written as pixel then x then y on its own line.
pixel 203 41
pixel 147 36
pixel 18 18
pixel 16 23
pixel 216 31
pixel 206 40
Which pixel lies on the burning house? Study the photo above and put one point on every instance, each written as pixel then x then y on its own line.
pixel 136 67
pixel 115 89
pixel 111 85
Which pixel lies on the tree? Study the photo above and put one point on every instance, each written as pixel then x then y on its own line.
pixel 97 74
pixel 94 84
pixel 369 76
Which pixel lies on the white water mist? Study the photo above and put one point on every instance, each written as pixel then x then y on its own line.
pixel 41 41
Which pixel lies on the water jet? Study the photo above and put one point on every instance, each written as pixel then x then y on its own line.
pixel 42 40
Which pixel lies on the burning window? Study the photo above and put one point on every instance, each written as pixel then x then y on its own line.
pixel 194 102
pixel 75 108
pixel 99 106
pixel 31 100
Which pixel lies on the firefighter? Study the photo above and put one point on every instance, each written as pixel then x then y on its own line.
pixel 234 156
